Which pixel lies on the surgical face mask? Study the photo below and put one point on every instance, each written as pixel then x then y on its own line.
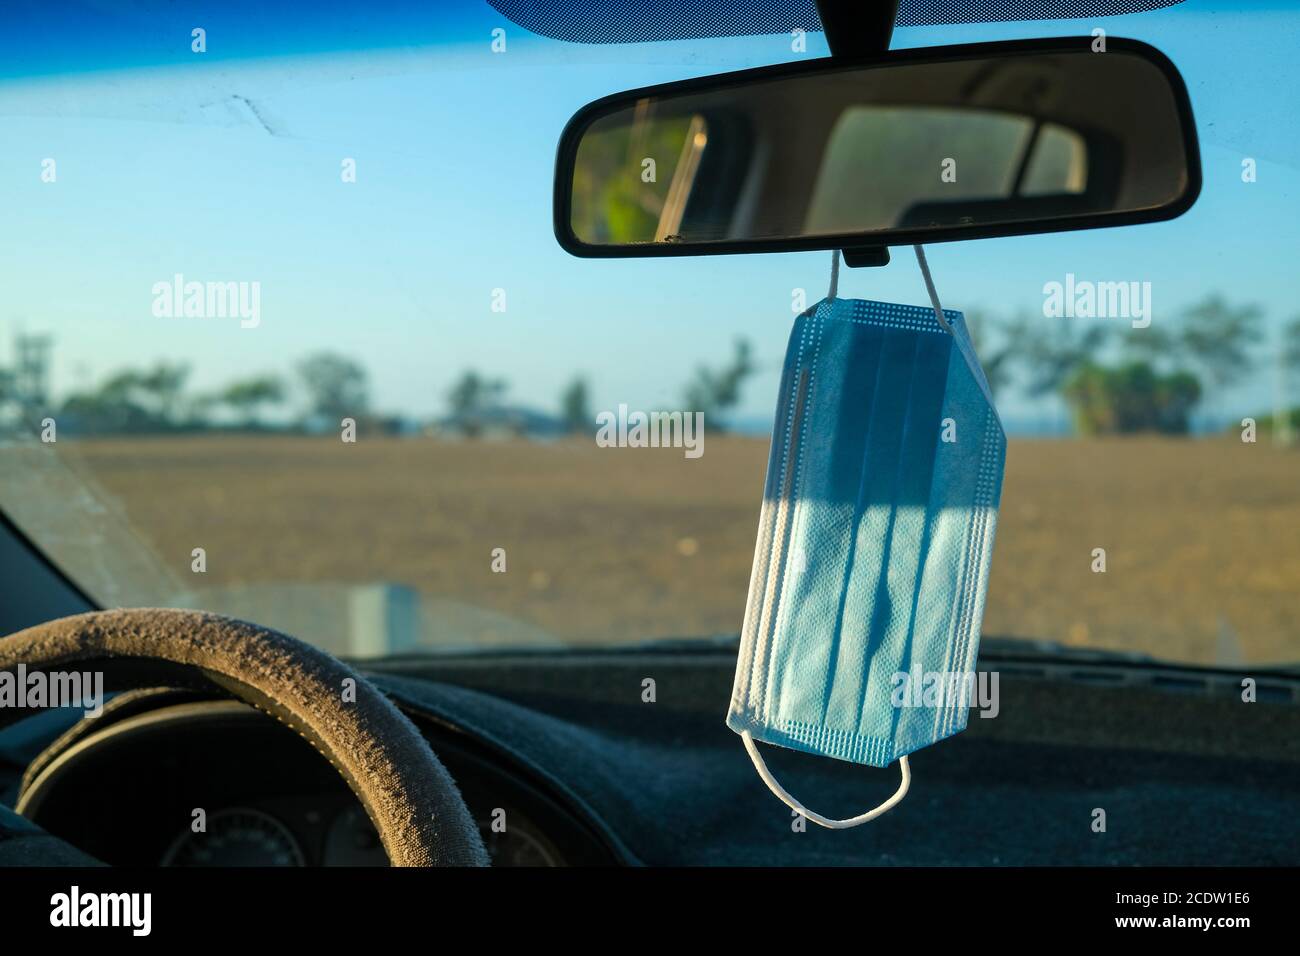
pixel 874 541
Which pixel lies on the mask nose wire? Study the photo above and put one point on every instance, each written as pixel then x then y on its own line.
pixel 766 776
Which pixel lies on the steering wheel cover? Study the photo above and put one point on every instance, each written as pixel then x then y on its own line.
pixel 412 800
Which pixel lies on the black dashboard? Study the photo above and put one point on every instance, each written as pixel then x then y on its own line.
pixel 563 760
pixel 217 783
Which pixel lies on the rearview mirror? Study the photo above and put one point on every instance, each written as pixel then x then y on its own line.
pixel 919 146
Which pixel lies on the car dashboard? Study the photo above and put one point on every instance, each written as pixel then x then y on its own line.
pixel 218 783
pixel 563 759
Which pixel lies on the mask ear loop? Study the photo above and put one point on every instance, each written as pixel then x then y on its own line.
pixel 929 287
pixel 766 776
pixel 833 292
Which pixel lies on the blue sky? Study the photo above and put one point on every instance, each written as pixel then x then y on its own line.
pixel 165 164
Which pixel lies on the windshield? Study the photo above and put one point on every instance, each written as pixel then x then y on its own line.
pixel 286 335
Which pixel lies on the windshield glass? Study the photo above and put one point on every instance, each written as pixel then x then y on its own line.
pixel 286 335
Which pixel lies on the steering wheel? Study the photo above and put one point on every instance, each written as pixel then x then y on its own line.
pixel 411 799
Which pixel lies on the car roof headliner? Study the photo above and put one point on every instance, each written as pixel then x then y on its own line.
pixel 635 21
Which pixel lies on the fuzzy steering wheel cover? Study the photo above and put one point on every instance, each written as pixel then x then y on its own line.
pixel 411 799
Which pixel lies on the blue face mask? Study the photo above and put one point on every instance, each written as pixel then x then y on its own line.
pixel 874 541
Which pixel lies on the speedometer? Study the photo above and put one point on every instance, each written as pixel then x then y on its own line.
pixel 237 837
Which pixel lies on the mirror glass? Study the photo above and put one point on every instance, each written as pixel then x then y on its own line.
pixel 1024 138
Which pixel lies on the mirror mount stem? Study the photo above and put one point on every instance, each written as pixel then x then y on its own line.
pixel 854 29
pixel 866 256
pixel 857 28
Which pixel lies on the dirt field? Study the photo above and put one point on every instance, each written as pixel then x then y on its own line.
pixel 603 545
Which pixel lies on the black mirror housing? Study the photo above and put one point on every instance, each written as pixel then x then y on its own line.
pixel 915 146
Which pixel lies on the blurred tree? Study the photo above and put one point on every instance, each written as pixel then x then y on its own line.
pixel 470 398
pixel 112 408
pixel 1285 419
pixel 1051 355
pixel 575 406
pixel 996 361
pixel 714 393
pixel 1217 337
pixel 247 397
pixel 1132 397
pixel 336 386
pixel 1291 346
pixel 163 385
pixel 1154 344
pixel 121 385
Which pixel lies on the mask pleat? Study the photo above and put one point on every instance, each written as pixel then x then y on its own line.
pixel 873 479
pixel 913 524
pixel 827 508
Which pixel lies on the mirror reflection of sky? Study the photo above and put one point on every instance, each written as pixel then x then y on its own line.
pixel 226 166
